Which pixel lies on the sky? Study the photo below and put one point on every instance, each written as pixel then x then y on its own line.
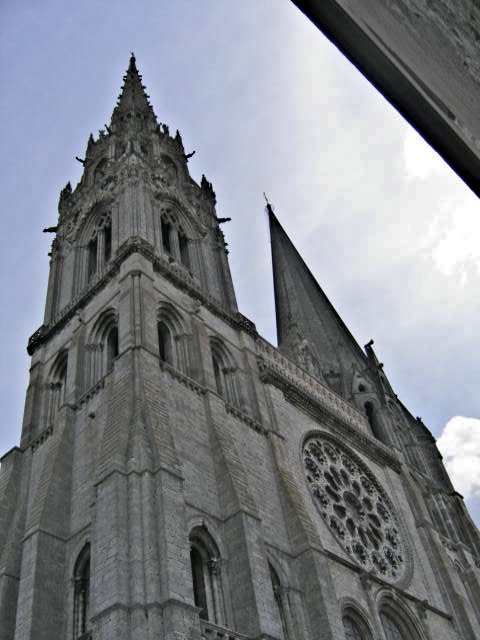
pixel 269 105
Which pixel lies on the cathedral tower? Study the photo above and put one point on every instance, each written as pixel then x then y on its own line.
pixel 180 477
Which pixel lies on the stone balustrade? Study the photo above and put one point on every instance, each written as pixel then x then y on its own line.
pixel 212 631
pixel 278 368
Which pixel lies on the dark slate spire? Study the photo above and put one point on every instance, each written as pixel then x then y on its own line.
pixel 133 107
pixel 309 330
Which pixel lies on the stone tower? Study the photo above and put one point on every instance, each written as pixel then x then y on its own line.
pixel 180 477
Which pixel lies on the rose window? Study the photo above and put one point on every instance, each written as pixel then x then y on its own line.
pixel 354 506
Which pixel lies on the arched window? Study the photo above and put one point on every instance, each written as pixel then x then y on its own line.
pixel 198 578
pixel 225 373
pixel 174 342
pixel 184 251
pixel 206 576
pixel 174 242
pixel 352 630
pixel 92 257
pixel 81 594
pixel 166 240
pixel 165 343
pixel 279 595
pixel 102 348
pixel 374 421
pixel 111 348
pixel 107 240
pixel 97 239
pixel 397 622
pixel 390 627
pixel 219 375
pixel 354 625
pixel 56 387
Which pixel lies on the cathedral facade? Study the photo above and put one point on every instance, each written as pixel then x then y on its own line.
pixel 178 477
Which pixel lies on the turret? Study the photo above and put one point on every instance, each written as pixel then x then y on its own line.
pixel 135 191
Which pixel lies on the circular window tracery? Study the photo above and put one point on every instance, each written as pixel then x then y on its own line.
pixel 354 506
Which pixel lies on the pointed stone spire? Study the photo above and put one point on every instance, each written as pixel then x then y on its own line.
pixel 133 107
pixel 309 330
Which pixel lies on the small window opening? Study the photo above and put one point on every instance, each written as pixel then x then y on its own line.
pixel 278 594
pixel 81 613
pixel 392 632
pixel 219 382
pixel 184 254
pixel 165 343
pixel 92 257
pixel 166 229
pixel 108 243
pixel 352 631
pixel 112 348
pixel 199 591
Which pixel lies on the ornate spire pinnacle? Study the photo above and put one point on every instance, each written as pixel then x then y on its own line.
pixel 133 107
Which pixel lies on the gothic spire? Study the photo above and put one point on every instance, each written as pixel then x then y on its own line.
pixel 309 330
pixel 132 104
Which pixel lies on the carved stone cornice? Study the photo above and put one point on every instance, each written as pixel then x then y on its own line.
pixel 311 396
pixel 176 274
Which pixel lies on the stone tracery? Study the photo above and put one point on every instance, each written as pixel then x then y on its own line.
pixel 354 506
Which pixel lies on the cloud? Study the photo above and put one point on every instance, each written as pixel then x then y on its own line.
pixel 453 237
pixel 460 447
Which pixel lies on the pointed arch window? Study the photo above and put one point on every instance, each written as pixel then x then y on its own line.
pixel 98 246
pixel 280 600
pixel 392 632
pixel 374 421
pixel 206 576
pixel 184 250
pixel 92 257
pixel 174 241
pixel 174 342
pixel 56 387
pixel 102 348
pixel 81 595
pixel 166 240
pixel 107 248
pixel 355 626
pixel 165 343
pixel 225 373
pixel 111 348
pixel 352 630
pixel 198 578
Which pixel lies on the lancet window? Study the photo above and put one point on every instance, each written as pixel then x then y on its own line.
pixel 352 631
pixel 354 625
pixel 390 627
pixel 225 373
pixel 397 623
pixel 102 348
pixel 280 600
pixel 174 343
pixel 81 595
pixel 174 241
pixel 374 421
pixel 56 387
pixel 206 576
pixel 99 247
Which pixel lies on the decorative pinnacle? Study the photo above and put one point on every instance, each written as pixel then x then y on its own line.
pixel 132 103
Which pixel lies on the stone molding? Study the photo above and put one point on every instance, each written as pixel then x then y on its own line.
pixel 170 271
pixel 311 396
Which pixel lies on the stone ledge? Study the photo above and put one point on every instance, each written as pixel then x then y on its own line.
pixel 309 395
pixel 172 272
